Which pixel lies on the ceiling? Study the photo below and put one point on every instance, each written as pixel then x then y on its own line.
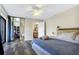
pixel 25 10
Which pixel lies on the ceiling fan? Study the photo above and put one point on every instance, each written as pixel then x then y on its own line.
pixel 36 10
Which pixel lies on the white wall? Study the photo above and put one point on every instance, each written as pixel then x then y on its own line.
pixel 28 30
pixel 41 29
pixel 3 13
pixel 67 19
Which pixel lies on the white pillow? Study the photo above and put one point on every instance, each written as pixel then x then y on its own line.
pixel 77 38
pixel 68 36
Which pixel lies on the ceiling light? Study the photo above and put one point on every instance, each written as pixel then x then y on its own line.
pixel 17 19
pixel 36 12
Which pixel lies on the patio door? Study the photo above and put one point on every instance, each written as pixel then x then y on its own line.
pixel 3 29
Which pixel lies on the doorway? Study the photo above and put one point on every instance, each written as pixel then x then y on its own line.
pixel 39 29
pixel 16 28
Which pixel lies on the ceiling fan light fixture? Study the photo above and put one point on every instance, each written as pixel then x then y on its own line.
pixel 37 12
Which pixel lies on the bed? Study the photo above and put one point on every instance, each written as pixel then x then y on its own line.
pixel 58 46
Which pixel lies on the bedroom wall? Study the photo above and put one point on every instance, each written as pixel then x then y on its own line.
pixel 4 14
pixel 28 30
pixel 67 19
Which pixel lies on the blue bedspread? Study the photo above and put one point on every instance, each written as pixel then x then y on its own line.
pixel 42 44
pixel 58 47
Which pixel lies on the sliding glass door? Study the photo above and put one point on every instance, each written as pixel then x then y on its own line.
pixel 3 29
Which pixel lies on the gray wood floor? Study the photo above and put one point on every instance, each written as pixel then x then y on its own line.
pixel 18 47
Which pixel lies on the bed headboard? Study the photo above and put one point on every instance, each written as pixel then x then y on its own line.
pixel 66 30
